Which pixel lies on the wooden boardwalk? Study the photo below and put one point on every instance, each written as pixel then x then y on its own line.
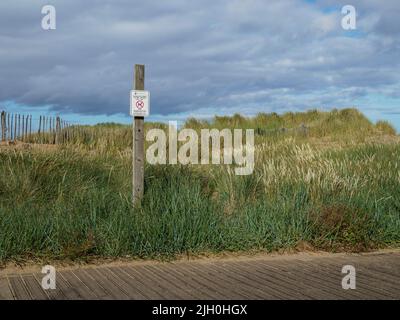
pixel 303 276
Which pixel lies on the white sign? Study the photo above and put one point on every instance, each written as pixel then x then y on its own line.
pixel 140 103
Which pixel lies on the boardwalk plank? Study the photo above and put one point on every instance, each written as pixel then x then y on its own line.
pixel 19 288
pixel 202 292
pixel 164 275
pixel 123 283
pixel 168 289
pixel 307 280
pixel 35 289
pixel 277 279
pixel 328 279
pixel 70 292
pixel 53 294
pixel 92 284
pixel 162 291
pixel 134 280
pixel 219 291
pixel 103 278
pixel 5 289
pixel 301 277
pixel 198 281
pixel 241 285
pixel 83 291
pixel 272 284
pixel 363 285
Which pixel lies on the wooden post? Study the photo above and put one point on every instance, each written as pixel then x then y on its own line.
pixel 57 129
pixel 19 126
pixel 44 129
pixel 138 143
pixel 23 126
pixel 40 124
pixel 3 125
pixel 54 131
pixel 11 128
pixel 26 128
pixel 15 127
pixel 8 127
pixel 63 131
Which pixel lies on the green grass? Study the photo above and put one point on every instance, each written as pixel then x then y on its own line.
pixel 337 188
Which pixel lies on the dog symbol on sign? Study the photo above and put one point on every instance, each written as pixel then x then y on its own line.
pixel 139 104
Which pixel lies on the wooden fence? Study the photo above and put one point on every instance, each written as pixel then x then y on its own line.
pixel 24 128
pixel 54 130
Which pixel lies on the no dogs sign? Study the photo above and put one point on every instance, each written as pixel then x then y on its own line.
pixel 140 103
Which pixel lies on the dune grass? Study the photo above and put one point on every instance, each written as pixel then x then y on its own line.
pixel 336 188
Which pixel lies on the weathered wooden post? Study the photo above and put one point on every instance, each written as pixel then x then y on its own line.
pixel 15 128
pixel 54 131
pixel 139 101
pixel 67 131
pixel 57 130
pixel 12 127
pixel 30 126
pixel 8 127
pixel 44 129
pixel 40 125
pixel 26 127
pixel 19 126
pixel 22 128
pixel 63 130
pixel 3 125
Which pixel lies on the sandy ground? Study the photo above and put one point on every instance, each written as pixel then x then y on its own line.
pixel 28 267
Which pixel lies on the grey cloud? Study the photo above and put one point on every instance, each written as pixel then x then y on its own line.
pixel 198 54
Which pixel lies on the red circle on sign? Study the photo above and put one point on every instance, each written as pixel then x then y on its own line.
pixel 139 104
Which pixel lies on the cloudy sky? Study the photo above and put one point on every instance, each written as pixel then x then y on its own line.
pixel 202 57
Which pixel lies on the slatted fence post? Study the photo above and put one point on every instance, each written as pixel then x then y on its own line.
pixel 19 126
pixel 63 131
pixel 12 128
pixel 57 130
pixel 44 128
pixel 40 124
pixel 26 127
pixel 30 127
pixel 23 127
pixel 54 131
pixel 3 124
pixel 8 127
pixel 15 127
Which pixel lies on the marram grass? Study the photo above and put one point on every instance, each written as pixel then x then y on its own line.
pixel 336 188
